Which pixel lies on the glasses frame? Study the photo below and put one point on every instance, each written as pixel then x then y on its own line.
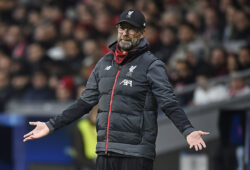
pixel 129 29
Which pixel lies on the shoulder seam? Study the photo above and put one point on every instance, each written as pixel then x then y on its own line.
pixel 156 59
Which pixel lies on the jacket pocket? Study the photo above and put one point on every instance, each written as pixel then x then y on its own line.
pixel 141 126
pixel 141 122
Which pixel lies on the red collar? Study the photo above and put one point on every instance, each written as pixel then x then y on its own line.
pixel 119 55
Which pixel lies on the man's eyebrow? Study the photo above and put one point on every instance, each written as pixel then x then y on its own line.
pixel 127 25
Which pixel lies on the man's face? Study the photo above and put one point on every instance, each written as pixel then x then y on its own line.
pixel 128 36
pixel 244 56
pixel 185 34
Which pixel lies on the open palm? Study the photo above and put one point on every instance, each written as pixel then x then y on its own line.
pixel 40 131
pixel 195 140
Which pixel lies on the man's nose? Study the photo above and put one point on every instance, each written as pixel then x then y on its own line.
pixel 125 31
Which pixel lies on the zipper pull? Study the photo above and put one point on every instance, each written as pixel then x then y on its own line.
pixel 106 152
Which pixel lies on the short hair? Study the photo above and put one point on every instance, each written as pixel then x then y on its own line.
pixel 245 47
pixel 189 25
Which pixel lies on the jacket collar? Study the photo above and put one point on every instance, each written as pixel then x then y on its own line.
pixel 134 52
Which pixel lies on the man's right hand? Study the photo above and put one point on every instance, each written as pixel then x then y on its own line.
pixel 40 131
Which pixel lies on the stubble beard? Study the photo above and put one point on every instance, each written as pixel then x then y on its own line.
pixel 130 45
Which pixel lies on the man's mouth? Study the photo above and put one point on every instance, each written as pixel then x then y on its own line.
pixel 125 40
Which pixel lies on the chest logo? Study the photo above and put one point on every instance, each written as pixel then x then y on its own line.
pixel 107 68
pixel 131 70
pixel 126 82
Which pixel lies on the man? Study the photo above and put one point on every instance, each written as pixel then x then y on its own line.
pixel 128 84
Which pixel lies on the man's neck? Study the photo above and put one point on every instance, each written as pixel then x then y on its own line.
pixel 122 50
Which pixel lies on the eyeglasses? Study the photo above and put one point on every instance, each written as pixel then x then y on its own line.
pixel 131 30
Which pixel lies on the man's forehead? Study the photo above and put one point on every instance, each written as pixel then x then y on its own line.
pixel 125 24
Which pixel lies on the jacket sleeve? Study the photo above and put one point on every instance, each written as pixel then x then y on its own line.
pixel 81 106
pixel 166 99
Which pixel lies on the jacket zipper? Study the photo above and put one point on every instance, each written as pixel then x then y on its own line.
pixel 110 107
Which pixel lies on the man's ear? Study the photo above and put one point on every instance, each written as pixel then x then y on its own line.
pixel 142 33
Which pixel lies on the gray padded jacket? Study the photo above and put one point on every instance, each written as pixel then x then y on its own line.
pixel 128 96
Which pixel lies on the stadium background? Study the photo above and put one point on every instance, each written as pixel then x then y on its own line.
pixel 49 47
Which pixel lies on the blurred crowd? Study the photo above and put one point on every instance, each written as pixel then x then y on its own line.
pixel 48 48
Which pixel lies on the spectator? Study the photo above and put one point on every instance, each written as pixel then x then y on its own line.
pixel 45 34
pixel 213 29
pixel 73 56
pixel 19 65
pixel 218 62
pixel 36 57
pixel 65 90
pixel 232 130
pixel 5 90
pixel 5 63
pixel 152 35
pixel 184 77
pixel 236 32
pixel 232 63
pixel 202 5
pixel 244 58
pixel 91 50
pixel 6 8
pixel 238 86
pixel 242 26
pixel 168 45
pixel 229 26
pixel 188 40
pixel 34 18
pixel 19 14
pixel 195 19
pixel 3 30
pixel 81 33
pixel 197 64
pixel 171 18
pixel 151 8
pixel 51 13
pixel 244 5
pixel 14 43
pixel 39 90
pixel 20 83
pixel 67 28
pixel 114 6
pixel 103 24
pixel 206 92
pixel 85 15
pixel 84 141
pixel 225 5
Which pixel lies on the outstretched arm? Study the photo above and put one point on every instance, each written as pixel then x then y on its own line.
pixel 81 106
pixel 166 99
pixel 73 112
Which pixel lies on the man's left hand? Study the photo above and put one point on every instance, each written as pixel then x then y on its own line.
pixel 195 140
